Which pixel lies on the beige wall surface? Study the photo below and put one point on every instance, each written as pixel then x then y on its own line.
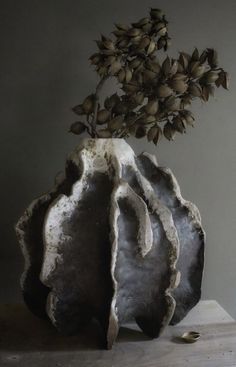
pixel 44 71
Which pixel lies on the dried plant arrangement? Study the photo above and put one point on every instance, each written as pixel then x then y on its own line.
pixel 155 96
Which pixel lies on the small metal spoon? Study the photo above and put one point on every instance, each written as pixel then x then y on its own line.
pixel 190 336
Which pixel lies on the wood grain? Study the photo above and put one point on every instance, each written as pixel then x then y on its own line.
pixel 28 341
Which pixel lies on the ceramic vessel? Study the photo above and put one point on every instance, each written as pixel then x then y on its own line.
pixel 113 240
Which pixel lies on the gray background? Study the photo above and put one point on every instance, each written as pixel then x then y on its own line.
pixel 44 71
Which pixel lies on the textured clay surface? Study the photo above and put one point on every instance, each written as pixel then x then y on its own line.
pixel 113 241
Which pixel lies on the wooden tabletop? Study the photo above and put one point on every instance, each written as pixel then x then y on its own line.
pixel 26 341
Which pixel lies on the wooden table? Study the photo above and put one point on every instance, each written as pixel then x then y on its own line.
pixel 26 341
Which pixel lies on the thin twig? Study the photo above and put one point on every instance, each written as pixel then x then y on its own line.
pixel 96 96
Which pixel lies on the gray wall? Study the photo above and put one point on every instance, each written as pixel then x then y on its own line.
pixel 44 71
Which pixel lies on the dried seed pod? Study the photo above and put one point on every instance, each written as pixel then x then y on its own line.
pixel 116 123
pixel 140 132
pixel 212 58
pixel 138 98
pixel 197 71
pixel 195 89
pixel 134 32
pixel 95 59
pixel 128 75
pixel 174 67
pixel 135 63
pixel 188 117
pixel 211 76
pixel 147 27
pixel 205 93
pixel 88 104
pixel 154 134
pixel 104 133
pixel 180 76
pixel 223 79
pixel 109 60
pixel 78 110
pixel 111 101
pixel 160 29
pixel 122 27
pixel 149 75
pixel 184 59
pixel 153 66
pixel 179 124
pixel 168 131
pixel 211 89
pixel 152 47
pixel 121 75
pixel 185 101
pixel 115 67
pixel 77 128
pixel 152 107
pixel 195 55
pixel 164 91
pixel 130 88
pixel 172 103
pixel 166 66
pixel 203 56
pixel 119 32
pixel 108 44
pixel 180 68
pixel 120 108
pixel 179 86
pixel 150 119
pixel 141 22
pixel 136 40
pixel 156 13
pixel 103 116
pixel 102 71
pixel 123 42
pixel 162 43
pixel 144 42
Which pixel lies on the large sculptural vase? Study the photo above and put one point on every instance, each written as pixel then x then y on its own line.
pixel 115 241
